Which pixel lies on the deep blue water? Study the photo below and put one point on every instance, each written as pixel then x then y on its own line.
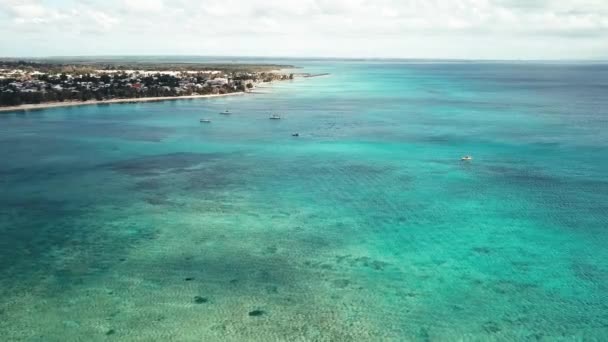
pixel 366 227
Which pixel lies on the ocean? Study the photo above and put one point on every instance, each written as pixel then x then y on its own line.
pixel 136 222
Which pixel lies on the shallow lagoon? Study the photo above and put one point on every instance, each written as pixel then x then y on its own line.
pixel 136 222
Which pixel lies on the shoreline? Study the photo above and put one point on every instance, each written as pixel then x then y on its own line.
pixel 38 106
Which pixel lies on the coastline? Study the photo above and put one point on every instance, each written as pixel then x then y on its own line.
pixel 27 107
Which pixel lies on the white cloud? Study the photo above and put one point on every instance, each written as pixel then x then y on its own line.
pixel 144 5
pixel 392 28
pixel 100 20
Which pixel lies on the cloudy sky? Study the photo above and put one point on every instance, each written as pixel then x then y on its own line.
pixel 470 29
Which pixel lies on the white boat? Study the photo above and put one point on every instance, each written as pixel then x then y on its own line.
pixel 466 158
pixel 275 117
pixel 205 120
pixel 226 112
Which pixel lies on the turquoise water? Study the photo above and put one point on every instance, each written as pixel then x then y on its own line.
pixel 366 227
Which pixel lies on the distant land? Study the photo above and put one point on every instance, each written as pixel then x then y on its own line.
pixel 29 83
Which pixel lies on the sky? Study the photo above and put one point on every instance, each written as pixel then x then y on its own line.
pixel 460 29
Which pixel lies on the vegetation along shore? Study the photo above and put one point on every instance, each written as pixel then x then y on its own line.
pixel 37 84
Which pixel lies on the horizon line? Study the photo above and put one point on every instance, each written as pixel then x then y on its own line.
pixel 315 58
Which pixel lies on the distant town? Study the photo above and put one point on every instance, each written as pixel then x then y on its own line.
pixel 24 82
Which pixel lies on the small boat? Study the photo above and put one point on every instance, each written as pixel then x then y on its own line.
pixel 205 120
pixel 275 117
pixel 226 112
pixel 295 134
pixel 466 158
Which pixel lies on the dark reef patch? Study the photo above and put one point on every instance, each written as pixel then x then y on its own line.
pixel 271 249
pixel 157 200
pixel 160 164
pixel 523 176
pixel 58 240
pixel 114 130
pixel 423 334
pixel 256 313
pixel 508 287
pixel 30 227
pixel 482 250
pixel 200 300
pixel 491 327
pixel 590 273
pixel 340 283
pixel 214 177
pixel 366 262
pixel 272 289
pixel 150 184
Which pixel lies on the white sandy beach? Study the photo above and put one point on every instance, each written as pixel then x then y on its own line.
pixel 94 102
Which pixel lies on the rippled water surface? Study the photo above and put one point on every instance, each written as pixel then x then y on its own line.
pixel 135 222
